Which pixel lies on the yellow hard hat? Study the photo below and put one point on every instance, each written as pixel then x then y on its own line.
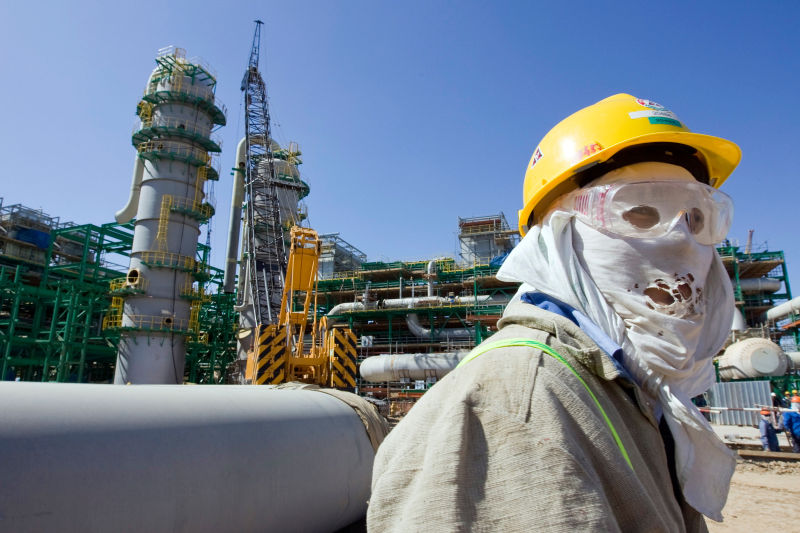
pixel 582 146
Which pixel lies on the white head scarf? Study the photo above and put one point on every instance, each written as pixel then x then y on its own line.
pixel 668 302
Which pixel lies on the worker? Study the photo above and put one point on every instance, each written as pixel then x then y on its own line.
pixel 776 401
pixel 768 432
pixel 791 424
pixel 576 415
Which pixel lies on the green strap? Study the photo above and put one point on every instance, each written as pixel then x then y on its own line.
pixel 506 343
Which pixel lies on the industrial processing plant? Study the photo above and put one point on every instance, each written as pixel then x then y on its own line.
pixel 135 300
pixel 340 341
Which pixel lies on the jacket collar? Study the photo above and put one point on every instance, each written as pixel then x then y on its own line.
pixel 556 318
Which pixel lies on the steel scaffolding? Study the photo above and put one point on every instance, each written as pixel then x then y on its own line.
pixel 52 312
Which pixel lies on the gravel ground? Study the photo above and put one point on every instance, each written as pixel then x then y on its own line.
pixel 764 497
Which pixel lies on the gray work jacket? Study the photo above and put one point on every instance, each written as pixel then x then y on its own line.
pixel 512 441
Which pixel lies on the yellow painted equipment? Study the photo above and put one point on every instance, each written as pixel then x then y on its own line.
pixel 282 352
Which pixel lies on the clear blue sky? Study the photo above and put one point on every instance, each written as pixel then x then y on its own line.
pixel 409 114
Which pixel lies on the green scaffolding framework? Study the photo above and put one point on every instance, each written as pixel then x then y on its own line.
pixel 51 315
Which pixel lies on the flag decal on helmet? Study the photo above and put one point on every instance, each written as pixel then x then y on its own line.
pixel 537 155
pixel 649 104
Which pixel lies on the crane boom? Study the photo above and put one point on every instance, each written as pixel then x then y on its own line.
pixel 272 338
pixel 264 249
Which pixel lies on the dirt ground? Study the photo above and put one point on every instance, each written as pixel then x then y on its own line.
pixel 764 497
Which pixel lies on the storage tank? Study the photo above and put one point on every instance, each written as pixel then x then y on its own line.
pixel 752 358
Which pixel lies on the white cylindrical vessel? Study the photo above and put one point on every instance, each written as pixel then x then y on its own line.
pixel 216 458
pixel 785 309
pixel 752 358
pixel 173 143
pixel 394 367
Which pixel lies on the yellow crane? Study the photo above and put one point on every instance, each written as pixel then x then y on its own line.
pixel 294 349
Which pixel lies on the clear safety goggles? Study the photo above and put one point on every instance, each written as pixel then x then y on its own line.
pixel 653 208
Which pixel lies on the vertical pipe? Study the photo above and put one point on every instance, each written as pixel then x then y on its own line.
pixel 235 218
pixel 51 338
pixel 87 324
pixel 431 275
pixel 14 316
pixel 63 361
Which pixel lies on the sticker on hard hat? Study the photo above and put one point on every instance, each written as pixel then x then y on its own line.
pixel 649 104
pixel 589 150
pixel 537 155
pixel 658 116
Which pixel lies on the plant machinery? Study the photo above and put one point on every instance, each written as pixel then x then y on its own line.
pixel 293 349
pixel 275 343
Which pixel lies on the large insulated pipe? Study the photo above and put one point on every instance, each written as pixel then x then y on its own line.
pixel 412 321
pixel 784 309
pixel 424 301
pixel 235 218
pixel 78 457
pixel 394 367
pixel 127 213
pixel 752 285
pixel 752 358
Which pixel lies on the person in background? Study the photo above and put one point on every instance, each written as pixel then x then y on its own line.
pixel 791 424
pixel 776 401
pixel 577 414
pixel 769 435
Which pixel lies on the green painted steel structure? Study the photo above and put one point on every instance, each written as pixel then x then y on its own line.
pixel 387 326
pixel 51 314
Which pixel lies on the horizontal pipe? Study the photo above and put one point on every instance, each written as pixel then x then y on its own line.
pixel 411 303
pixel 412 321
pixel 394 367
pixel 755 285
pixel 784 309
pixel 79 457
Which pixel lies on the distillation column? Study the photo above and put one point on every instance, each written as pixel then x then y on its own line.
pixel 158 307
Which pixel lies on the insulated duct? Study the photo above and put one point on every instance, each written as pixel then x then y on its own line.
pixel 127 213
pixel 235 218
pixel 80 457
pixel 419 302
pixel 412 320
pixel 752 358
pixel 414 366
pixel 755 285
pixel 784 309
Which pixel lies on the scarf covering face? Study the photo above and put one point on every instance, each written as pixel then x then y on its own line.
pixel 668 302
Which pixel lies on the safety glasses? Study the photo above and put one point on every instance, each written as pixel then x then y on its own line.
pixel 651 209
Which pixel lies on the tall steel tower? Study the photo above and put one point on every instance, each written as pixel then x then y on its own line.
pixel 264 253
